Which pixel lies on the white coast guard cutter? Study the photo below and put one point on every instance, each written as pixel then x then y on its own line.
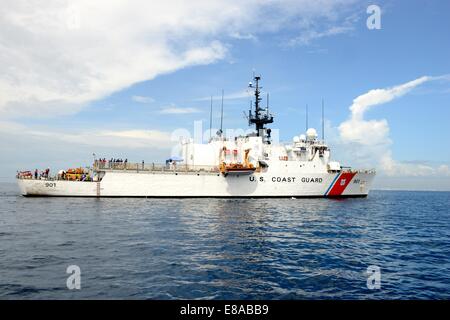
pixel 246 166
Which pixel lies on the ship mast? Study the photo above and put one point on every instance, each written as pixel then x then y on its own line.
pixel 261 116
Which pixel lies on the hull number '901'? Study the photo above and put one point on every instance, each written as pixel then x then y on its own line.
pixel 50 184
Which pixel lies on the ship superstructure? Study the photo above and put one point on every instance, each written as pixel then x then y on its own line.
pixel 243 166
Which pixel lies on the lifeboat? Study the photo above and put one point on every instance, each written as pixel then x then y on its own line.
pixel 25 175
pixel 236 168
pixel 76 174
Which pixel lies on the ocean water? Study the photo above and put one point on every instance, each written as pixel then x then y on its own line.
pixel 226 249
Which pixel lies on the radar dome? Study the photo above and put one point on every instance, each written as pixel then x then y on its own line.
pixel 296 139
pixel 302 137
pixel 311 133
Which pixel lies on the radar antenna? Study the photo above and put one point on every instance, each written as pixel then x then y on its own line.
pixel 258 118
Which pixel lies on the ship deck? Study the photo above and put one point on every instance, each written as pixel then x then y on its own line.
pixel 155 168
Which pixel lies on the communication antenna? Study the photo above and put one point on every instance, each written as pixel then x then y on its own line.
pixel 250 110
pixel 210 119
pixel 221 115
pixel 323 120
pixel 306 117
pixel 267 103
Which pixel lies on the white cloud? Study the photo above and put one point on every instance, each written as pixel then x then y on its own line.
pixel 178 110
pixel 444 170
pixel 142 99
pixel 306 37
pixel 29 147
pixel 375 97
pixel 127 139
pixel 242 94
pixel 394 168
pixel 369 140
pixel 57 56
pixel 332 25
pixel 243 36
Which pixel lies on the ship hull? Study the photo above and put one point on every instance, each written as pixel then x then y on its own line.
pixel 147 184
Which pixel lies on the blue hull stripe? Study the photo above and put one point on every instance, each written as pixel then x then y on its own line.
pixel 331 185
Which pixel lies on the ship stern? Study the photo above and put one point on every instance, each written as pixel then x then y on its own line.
pixel 23 186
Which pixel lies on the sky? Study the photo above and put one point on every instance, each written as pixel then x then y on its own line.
pixel 122 79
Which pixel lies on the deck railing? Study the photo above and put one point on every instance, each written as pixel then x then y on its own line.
pixel 49 178
pixel 367 171
pixel 153 167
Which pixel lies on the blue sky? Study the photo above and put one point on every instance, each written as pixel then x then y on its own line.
pixel 304 50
